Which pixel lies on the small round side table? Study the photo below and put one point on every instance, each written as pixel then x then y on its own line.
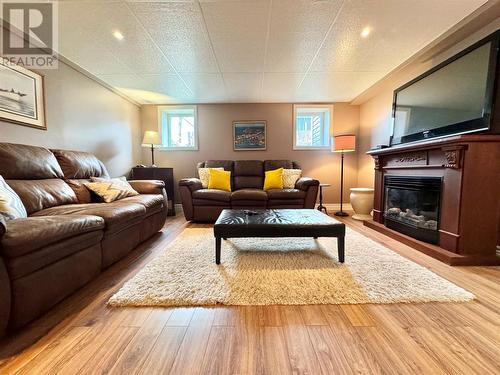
pixel 321 207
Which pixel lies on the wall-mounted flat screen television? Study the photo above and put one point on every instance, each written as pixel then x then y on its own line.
pixel 455 97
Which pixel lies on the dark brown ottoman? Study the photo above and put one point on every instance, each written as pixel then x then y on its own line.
pixel 277 223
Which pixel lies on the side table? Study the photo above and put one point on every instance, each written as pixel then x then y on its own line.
pixel 320 206
pixel 163 174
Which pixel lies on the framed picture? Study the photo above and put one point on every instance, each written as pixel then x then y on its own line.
pixel 21 96
pixel 249 135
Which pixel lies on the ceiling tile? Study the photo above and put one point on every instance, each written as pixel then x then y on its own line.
pixel 179 30
pixel 335 87
pixel 296 31
pixel 238 32
pixel 280 87
pixel 206 87
pixel 187 51
pixel 243 87
pixel 136 50
pixel 398 30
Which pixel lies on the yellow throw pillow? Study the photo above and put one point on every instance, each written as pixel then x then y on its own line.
pixel 220 180
pixel 274 179
pixel 204 174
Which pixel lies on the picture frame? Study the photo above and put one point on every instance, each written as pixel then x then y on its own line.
pixel 250 135
pixel 22 96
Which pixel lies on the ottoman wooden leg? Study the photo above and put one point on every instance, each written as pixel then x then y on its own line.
pixel 341 245
pixel 217 250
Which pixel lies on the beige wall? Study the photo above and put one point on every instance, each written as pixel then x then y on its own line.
pixel 83 115
pixel 375 113
pixel 216 142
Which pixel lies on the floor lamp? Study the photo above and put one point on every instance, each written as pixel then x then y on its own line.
pixel 152 138
pixel 342 144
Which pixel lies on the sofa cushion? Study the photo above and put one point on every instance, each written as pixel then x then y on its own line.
pixel 210 202
pixel 22 162
pixel 212 194
pixel 286 194
pixel 248 168
pixel 248 182
pixel 226 164
pixel 23 236
pixel 50 254
pixel 40 194
pixel 116 215
pixel 269 165
pixel 83 195
pixel 248 174
pixel 249 195
pixel 152 202
pixel 77 164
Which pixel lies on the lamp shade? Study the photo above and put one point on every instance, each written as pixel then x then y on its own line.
pixel 151 138
pixel 344 143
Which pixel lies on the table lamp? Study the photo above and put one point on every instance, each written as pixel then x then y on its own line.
pixel 342 144
pixel 153 138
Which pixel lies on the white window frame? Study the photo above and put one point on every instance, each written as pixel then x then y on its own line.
pixel 296 107
pixel 165 147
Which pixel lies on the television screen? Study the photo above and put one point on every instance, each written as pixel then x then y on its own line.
pixel 454 98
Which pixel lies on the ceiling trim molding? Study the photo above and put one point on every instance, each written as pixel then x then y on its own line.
pixel 477 20
pixel 92 77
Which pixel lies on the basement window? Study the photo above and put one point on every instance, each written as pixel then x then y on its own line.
pixel 179 127
pixel 311 126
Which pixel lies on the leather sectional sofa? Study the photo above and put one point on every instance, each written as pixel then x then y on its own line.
pixel 247 181
pixel 65 241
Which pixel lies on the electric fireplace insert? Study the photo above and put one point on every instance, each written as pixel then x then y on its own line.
pixel 412 205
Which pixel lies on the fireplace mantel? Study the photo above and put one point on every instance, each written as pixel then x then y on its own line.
pixel 469 166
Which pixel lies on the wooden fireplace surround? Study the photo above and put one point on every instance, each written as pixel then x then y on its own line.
pixel 469 227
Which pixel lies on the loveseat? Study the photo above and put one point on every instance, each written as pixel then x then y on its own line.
pixel 247 180
pixel 67 238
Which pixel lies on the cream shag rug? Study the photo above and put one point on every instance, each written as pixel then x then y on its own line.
pixel 282 271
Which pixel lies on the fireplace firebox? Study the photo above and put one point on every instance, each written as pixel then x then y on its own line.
pixel 412 206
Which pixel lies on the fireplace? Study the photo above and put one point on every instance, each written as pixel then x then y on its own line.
pixel 412 206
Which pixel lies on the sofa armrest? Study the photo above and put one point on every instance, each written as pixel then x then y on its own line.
pixel 3 226
pixel 304 183
pixel 5 297
pixel 192 183
pixel 147 186
pixel 186 188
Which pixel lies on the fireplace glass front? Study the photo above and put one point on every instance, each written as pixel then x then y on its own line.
pixel 412 206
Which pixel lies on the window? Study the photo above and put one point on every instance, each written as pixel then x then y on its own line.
pixel 311 127
pixel 179 128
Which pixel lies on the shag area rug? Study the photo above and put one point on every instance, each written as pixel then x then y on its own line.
pixel 282 271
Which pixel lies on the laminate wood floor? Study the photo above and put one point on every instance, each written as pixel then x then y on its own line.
pixel 82 336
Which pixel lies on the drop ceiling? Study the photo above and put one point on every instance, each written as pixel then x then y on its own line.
pixel 219 51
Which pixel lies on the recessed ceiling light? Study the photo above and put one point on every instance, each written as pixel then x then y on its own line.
pixel 118 35
pixel 366 31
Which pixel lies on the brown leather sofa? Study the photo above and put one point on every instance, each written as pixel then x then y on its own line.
pixel 67 239
pixel 247 181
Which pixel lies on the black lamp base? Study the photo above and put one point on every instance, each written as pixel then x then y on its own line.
pixel 341 213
